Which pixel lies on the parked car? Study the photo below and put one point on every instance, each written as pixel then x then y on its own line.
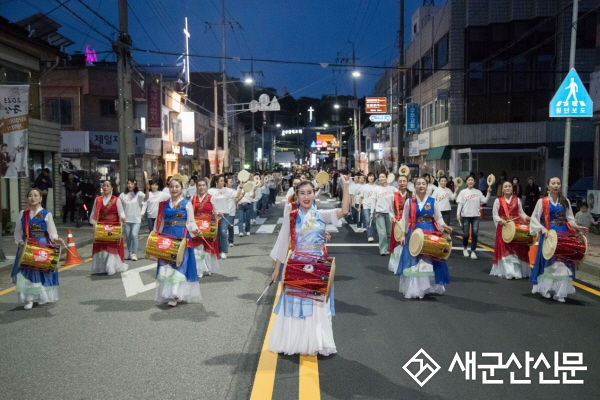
pixel 578 191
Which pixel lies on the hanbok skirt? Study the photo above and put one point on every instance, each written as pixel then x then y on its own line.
pixel 179 283
pixel 108 258
pixel 511 260
pixel 421 275
pixel 552 277
pixel 302 326
pixel 206 263
pixel 395 258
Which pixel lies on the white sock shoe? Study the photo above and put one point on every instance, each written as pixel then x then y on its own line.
pixel 466 253
pixel 223 255
pixel 473 256
pixel 29 305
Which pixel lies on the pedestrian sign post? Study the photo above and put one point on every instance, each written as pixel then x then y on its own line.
pixel 571 98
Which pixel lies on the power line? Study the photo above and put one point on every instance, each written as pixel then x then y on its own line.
pixel 99 16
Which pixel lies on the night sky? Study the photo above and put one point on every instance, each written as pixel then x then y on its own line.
pixel 314 31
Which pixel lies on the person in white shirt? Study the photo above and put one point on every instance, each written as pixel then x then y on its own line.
pixel 467 213
pixel 132 200
pixel 442 196
pixel 352 190
pixel 220 198
pixel 384 213
pixel 166 189
pixel 245 201
pixel 360 224
pixel 367 203
pixel 191 190
pixel 154 197
pixel 231 211
pixel 430 186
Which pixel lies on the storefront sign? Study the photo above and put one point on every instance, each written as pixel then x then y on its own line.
pixel 14 126
pixel 187 151
pixel 413 148
pixel 376 105
pixel 153 146
pixel 188 126
pixel 175 149
pixel 108 142
pixel 154 107
pixel 424 141
pixel 412 117
pixel 74 142
pixel 291 132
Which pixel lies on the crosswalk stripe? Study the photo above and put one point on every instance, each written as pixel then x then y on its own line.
pixel 331 228
pixel 266 228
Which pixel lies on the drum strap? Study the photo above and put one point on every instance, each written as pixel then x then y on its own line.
pixel 505 206
pixel 26 223
pixel 399 201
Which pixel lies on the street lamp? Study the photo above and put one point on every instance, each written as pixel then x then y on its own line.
pixel 247 81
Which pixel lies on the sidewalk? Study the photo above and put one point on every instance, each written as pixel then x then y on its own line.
pixel 83 236
pixel 589 269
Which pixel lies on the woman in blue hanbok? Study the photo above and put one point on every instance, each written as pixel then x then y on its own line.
pixel 553 278
pixel 35 223
pixel 176 218
pixel 421 275
pixel 303 325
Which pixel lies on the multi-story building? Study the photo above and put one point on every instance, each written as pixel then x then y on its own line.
pixel 29 49
pixel 483 73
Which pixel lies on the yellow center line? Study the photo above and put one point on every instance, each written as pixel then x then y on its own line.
pixel 309 378
pixel 264 380
pixel 12 288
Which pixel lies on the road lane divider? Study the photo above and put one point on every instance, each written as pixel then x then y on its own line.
pixel 264 380
pixel 309 386
pixel 12 288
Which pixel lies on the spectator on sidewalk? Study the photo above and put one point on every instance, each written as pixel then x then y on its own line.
pixel 532 195
pixel 584 217
pixel 71 190
pixel 517 189
pixel 43 182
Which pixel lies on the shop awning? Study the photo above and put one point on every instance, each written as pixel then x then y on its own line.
pixel 438 153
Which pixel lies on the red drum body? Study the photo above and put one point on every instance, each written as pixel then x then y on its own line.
pixel 310 277
pixel 570 249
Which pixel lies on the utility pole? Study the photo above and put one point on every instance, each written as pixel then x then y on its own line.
pixel 225 118
pixel 125 103
pixel 400 87
pixel 355 113
pixel 187 59
pixel 567 153
pixel 253 127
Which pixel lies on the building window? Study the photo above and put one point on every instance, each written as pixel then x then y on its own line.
pixel 12 76
pixel 426 65
pixel 441 53
pixel 442 110
pixel 475 82
pixel 107 108
pixel 60 111
pixel 416 68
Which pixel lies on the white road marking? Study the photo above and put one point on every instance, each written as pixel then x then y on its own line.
pixel 352 244
pixel 132 281
pixel 266 228
pixel 280 220
pixel 461 248
pixel 331 228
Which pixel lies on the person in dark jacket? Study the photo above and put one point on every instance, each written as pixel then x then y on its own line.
pixel 43 182
pixel 71 190
pixel 532 195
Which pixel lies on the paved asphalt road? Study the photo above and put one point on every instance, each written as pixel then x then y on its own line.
pixel 103 341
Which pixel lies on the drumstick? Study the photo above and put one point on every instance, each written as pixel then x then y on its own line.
pixel 265 291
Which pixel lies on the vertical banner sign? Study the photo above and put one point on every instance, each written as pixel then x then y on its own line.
pixel 212 160
pixel 14 124
pixel 153 128
pixel 412 117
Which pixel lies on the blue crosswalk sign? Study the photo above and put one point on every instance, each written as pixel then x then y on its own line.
pixel 571 98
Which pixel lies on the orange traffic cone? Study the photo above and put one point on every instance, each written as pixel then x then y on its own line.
pixel 72 256
pixel 533 250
